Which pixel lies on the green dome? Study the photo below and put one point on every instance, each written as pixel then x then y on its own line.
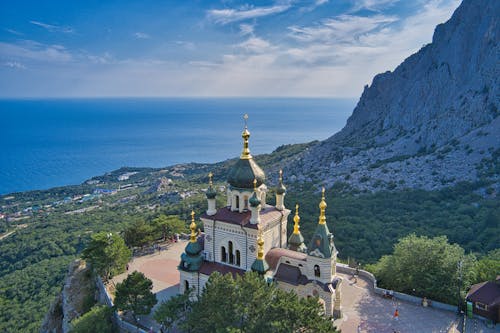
pixel 190 263
pixel 254 201
pixel 211 193
pixel 281 189
pixel 193 248
pixel 244 172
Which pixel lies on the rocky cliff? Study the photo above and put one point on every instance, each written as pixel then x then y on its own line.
pixel 432 122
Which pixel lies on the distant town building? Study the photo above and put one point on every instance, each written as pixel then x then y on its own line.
pixel 249 234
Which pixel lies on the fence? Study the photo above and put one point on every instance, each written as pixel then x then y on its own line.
pixel 343 268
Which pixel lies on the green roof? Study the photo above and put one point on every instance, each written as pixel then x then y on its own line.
pixel 322 242
pixel 243 172
pixel 260 266
pixel 296 243
pixel 211 193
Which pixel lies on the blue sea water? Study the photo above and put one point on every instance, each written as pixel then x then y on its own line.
pixel 55 142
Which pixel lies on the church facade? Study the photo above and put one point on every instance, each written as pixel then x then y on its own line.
pixel 249 234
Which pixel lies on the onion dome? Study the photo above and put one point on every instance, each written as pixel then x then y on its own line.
pixel 296 240
pixel 281 189
pixel 254 200
pixel 245 170
pixel 322 242
pixel 211 193
pixel 191 259
pixel 260 265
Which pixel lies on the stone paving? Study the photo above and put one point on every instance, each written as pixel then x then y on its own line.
pixel 363 311
pixel 373 313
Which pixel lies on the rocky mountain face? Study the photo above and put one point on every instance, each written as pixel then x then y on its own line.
pixel 432 122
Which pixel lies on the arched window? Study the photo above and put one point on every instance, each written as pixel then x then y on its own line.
pixel 317 272
pixel 237 198
pixel 231 255
pixel 245 200
pixel 238 259
pixel 223 254
pixel 186 285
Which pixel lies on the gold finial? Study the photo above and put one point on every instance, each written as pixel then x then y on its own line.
pixel 322 207
pixel 245 154
pixel 281 175
pixel 255 185
pixel 296 220
pixel 192 226
pixel 210 175
pixel 260 246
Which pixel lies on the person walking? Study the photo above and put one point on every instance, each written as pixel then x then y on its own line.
pixel 396 314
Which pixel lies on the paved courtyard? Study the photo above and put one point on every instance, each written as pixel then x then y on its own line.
pixel 361 307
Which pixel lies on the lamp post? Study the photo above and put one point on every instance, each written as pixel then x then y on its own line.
pixel 459 298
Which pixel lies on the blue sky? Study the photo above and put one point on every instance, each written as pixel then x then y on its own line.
pixel 208 48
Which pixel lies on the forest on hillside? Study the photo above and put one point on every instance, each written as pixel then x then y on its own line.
pixel 34 260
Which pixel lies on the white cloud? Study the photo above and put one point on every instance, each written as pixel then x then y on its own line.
pixel 246 29
pixel 53 28
pixel 14 32
pixel 255 45
pixel 35 51
pixel 14 64
pixel 343 28
pixel 105 58
pixel 373 5
pixel 335 57
pixel 225 16
pixel 141 35
pixel 186 45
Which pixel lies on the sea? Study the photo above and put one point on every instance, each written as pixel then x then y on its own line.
pixel 46 143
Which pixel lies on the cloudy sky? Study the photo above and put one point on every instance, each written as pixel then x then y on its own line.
pixel 328 48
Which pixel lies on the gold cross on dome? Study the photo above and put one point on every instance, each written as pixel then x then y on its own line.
pixel 245 117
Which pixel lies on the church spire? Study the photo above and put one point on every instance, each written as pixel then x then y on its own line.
pixel 260 265
pixel 255 205
pixel 191 259
pixel 245 154
pixel 296 220
pixel 296 240
pixel 322 242
pixel 280 193
pixel 192 226
pixel 322 208
pixel 211 194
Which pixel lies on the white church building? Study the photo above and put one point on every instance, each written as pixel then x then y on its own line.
pixel 249 234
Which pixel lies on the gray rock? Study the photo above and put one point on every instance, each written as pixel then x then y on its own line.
pixel 428 124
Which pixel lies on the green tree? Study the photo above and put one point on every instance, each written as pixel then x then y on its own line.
pixel 140 233
pixel 429 267
pixel 488 267
pixel 135 294
pixel 98 319
pixel 107 253
pixel 174 310
pixel 167 226
pixel 249 304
